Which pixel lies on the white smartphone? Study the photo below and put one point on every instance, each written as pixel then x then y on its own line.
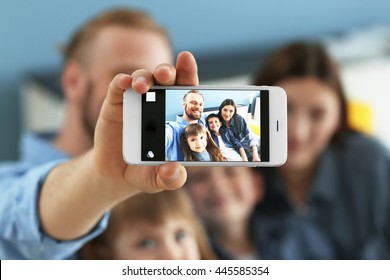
pixel 206 125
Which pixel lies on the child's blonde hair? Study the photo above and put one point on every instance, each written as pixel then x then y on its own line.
pixel 194 129
pixel 156 209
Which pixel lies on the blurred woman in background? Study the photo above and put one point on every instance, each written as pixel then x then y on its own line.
pixel 334 177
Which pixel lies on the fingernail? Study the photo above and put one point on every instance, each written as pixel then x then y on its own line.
pixel 171 175
pixel 174 175
pixel 166 68
pixel 140 80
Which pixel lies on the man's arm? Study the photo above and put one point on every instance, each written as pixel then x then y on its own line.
pixel 77 193
pixel 169 141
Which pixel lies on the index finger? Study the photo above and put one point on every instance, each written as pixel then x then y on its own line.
pixel 117 87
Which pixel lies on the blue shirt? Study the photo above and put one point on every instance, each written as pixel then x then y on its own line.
pixel 173 132
pixel 228 139
pixel 283 237
pixel 203 156
pixel 349 199
pixel 20 234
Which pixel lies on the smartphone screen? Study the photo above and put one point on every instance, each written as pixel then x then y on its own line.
pixel 205 125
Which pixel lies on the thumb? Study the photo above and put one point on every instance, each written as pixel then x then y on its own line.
pixel 186 70
pixel 171 176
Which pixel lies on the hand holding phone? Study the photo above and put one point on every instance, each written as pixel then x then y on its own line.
pixel 105 158
pixel 206 125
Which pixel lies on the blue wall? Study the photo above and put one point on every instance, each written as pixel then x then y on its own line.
pixel 30 31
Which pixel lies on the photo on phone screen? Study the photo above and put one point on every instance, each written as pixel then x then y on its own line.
pixel 205 125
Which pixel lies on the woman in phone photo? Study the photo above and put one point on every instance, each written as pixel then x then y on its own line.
pixel 237 124
pixel 198 145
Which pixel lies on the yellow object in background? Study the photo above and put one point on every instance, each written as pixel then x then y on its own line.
pixel 255 128
pixel 360 117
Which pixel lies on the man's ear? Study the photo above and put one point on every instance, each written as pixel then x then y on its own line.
pixel 73 81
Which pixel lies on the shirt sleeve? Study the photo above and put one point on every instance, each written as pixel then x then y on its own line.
pixel 169 135
pixel 367 173
pixel 20 234
pixel 377 243
pixel 253 141
pixel 235 142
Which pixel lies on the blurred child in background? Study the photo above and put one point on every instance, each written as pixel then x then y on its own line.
pixel 225 199
pixel 157 226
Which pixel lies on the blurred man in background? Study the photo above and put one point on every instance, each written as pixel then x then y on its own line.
pixel 56 198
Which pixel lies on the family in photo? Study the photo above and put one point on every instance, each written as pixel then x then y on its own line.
pixel 221 136
pixel 217 191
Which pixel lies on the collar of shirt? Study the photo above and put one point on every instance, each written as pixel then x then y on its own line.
pixel 232 122
pixel 38 149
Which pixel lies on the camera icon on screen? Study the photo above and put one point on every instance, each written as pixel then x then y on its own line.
pixel 150 154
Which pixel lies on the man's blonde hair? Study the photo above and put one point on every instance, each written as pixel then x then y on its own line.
pixel 80 42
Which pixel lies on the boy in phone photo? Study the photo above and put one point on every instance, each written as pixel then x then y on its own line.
pixel 230 147
pixel 198 145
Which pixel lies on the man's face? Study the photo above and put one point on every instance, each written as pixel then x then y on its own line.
pixel 119 50
pixel 193 106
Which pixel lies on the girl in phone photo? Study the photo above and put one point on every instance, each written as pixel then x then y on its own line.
pixel 198 145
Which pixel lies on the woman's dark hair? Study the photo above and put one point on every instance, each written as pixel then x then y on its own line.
pixel 300 60
pixel 224 103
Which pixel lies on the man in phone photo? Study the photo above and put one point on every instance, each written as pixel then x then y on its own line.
pixel 59 195
pixel 193 106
